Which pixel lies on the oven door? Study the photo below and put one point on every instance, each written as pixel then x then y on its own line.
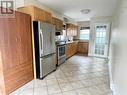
pixel 61 51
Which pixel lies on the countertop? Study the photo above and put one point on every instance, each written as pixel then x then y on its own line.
pixel 64 43
pixel 69 42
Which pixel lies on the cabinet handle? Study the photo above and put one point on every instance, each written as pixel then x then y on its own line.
pixel 20 39
pixel 16 39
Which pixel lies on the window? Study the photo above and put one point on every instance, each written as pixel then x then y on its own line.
pixel 84 33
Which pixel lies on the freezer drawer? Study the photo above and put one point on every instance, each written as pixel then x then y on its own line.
pixel 47 64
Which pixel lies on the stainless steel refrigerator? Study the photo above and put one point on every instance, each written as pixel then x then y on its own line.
pixel 45 49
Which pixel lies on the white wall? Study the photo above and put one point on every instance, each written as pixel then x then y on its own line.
pixel 93 21
pixel 21 3
pixel 84 23
pixel 118 50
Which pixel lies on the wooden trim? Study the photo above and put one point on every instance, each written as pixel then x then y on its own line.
pixel 2 86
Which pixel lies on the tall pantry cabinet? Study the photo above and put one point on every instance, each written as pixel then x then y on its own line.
pixel 16 64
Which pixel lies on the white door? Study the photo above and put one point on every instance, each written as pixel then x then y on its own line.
pixel 101 41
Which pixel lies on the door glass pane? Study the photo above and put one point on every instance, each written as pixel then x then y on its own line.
pixel 100 39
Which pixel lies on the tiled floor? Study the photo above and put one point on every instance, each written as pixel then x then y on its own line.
pixel 78 76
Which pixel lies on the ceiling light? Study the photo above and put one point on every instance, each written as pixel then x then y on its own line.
pixel 85 11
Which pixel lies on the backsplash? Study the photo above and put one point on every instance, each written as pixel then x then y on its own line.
pixel 64 38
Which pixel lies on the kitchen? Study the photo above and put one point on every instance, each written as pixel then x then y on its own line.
pixel 65 46
pixel 52 42
pixel 50 53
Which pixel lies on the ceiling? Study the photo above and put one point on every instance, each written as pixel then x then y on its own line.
pixel 72 8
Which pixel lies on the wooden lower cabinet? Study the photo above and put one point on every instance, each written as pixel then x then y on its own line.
pixel 16 62
pixel 83 47
pixel 71 49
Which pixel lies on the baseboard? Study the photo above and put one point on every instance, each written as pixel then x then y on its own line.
pixel 90 55
pixel 112 86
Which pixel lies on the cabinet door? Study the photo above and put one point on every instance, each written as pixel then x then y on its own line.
pixel 58 24
pixel 48 17
pixel 14 51
pixel 25 49
pixel 75 47
pixel 10 42
pixel 67 51
pixel 53 21
pixel 83 47
pixel 25 38
pixel 29 40
pixel 22 37
pixel 61 25
pixel 39 14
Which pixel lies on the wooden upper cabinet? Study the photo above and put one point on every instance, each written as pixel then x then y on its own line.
pixel 37 13
pixel 72 30
pixel 58 24
pixel 48 17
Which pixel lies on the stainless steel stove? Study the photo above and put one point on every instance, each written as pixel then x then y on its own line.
pixel 61 52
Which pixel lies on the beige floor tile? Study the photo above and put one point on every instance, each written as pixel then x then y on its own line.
pixel 73 78
pixel 39 83
pixel 52 81
pixel 70 93
pixel 104 88
pixel 77 84
pixel 29 85
pixel 40 91
pixel 62 80
pixel 94 90
pixel 87 83
pixel 66 87
pixel 53 89
pixel 83 91
pixel 57 94
pixel 26 92
pixel 51 76
pixel 97 81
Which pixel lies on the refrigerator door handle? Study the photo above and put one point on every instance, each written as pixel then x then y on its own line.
pixel 50 36
pixel 41 43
